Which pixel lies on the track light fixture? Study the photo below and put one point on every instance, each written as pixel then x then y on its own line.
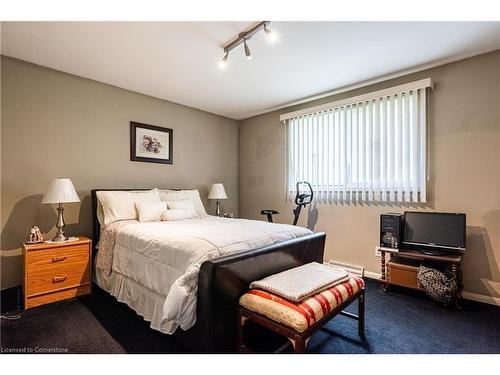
pixel 247 50
pixel 242 39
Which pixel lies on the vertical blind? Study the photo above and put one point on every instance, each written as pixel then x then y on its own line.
pixel 370 148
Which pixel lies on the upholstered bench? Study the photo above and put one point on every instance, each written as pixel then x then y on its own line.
pixel 299 321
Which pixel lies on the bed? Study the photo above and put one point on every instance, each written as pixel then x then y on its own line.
pixel 185 277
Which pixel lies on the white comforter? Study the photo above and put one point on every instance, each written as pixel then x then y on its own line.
pixel 166 256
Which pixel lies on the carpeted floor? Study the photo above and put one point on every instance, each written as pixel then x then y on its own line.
pixel 397 322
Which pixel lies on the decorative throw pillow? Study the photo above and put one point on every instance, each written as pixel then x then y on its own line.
pixel 150 211
pixel 174 214
pixel 176 195
pixel 120 205
pixel 186 205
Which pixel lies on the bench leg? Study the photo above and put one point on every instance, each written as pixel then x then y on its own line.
pixel 240 333
pixel 299 345
pixel 361 314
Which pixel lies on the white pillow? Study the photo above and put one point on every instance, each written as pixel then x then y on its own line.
pixel 174 214
pixel 185 205
pixel 150 211
pixel 100 212
pixel 120 205
pixel 176 195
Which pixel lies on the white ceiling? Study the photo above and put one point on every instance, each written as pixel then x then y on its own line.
pixel 177 61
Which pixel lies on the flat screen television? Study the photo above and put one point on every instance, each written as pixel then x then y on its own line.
pixel 434 232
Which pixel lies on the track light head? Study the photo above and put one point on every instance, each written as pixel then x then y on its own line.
pixel 271 35
pixel 223 61
pixel 247 50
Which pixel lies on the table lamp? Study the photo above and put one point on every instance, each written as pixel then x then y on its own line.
pixel 60 190
pixel 217 192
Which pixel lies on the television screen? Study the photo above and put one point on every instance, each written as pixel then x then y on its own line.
pixel 435 229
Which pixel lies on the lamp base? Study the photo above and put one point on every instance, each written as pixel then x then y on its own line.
pixel 217 208
pixel 60 237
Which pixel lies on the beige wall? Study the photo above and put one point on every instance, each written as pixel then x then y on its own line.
pixel 59 125
pixel 464 125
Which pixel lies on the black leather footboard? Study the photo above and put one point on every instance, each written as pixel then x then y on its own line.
pixel 223 280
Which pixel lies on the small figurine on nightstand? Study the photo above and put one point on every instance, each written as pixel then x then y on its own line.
pixel 35 235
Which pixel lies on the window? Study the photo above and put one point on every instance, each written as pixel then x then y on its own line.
pixel 368 148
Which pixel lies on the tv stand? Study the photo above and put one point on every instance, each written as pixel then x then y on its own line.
pixel 407 262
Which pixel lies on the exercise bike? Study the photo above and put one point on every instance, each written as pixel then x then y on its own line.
pixel 301 200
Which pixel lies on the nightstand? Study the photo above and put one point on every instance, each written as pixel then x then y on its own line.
pixel 56 271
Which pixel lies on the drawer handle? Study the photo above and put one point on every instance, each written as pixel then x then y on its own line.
pixel 58 259
pixel 58 279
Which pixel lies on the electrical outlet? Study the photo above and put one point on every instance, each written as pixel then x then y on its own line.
pixel 377 252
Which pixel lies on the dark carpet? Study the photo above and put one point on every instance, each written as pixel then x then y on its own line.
pixel 397 321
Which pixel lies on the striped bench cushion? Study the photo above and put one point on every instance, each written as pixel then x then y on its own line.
pixel 302 315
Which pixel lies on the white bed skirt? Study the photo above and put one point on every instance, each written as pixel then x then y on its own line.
pixel 144 301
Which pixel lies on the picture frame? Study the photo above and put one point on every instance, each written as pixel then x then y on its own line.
pixel 151 143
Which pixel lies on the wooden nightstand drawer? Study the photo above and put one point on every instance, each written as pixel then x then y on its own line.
pixel 52 277
pixel 57 258
pixel 56 271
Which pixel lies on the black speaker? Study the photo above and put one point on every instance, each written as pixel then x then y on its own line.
pixel 391 230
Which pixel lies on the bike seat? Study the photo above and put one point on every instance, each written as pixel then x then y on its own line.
pixel 269 212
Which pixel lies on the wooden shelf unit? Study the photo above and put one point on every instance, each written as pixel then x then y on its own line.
pixel 396 260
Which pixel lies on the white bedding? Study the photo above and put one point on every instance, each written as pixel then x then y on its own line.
pixel 165 257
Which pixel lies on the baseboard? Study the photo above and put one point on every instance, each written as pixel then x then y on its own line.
pixel 481 298
pixel 466 295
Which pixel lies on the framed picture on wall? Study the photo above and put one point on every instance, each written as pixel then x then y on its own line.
pixel 150 143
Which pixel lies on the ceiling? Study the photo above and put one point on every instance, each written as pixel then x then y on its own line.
pixel 177 61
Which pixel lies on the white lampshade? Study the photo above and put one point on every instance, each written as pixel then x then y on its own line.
pixel 60 190
pixel 217 191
